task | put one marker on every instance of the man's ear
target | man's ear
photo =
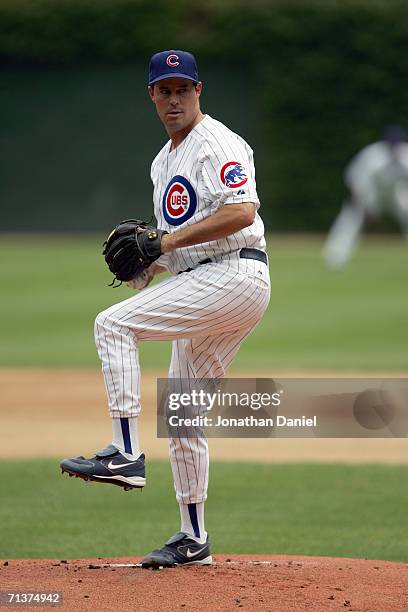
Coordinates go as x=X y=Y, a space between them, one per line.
x=150 y=89
x=199 y=88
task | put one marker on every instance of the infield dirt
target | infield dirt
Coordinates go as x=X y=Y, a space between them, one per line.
x=63 y=412
x=252 y=583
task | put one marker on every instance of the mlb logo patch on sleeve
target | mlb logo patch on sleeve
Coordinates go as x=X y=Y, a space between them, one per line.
x=233 y=174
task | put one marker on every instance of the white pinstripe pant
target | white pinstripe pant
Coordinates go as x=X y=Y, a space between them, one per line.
x=206 y=313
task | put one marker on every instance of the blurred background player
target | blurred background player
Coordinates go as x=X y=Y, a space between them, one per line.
x=377 y=178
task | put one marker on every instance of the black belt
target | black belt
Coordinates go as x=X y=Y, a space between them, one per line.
x=244 y=253
x=253 y=254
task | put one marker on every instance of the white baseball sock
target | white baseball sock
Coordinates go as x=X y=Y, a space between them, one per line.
x=125 y=436
x=192 y=521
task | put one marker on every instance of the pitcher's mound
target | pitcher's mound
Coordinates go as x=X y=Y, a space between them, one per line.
x=252 y=582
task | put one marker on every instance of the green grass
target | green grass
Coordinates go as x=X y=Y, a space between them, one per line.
x=353 y=511
x=52 y=288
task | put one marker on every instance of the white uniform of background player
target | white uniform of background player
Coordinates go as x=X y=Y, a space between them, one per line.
x=205 y=197
x=377 y=178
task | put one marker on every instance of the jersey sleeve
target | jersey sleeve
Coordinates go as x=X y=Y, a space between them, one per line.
x=228 y=176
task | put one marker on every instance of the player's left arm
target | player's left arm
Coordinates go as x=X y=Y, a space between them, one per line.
x=226 y=221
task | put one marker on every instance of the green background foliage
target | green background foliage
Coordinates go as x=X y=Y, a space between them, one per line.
x=322 y=78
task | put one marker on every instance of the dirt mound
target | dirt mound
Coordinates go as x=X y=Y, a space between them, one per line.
x=260 y=582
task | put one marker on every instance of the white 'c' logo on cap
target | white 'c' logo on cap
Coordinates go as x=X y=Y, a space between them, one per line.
x=172 y=60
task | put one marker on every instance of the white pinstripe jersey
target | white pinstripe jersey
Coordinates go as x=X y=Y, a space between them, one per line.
x=210 y=168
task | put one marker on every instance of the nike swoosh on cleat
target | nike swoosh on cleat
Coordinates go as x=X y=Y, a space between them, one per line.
x=193 y=554
x=116 y=466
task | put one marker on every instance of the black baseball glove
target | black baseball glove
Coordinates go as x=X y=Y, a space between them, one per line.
x=130 y=248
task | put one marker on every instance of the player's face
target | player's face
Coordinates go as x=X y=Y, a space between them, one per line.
x=177 y=102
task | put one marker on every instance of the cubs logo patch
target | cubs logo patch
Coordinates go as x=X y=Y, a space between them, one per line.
x=233 y=174
x=172 y=60
x=179 y=201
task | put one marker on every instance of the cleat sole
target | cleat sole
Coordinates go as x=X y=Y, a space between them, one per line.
x=120 y=483
x=155 y=565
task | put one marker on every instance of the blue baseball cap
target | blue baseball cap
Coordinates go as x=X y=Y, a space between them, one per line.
x=394 y=134
x=172 y=63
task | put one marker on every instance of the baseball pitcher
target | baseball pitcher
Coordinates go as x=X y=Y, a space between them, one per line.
x=210 y=238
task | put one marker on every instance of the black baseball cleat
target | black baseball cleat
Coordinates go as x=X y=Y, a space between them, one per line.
x=108 y=465
x=181 y=549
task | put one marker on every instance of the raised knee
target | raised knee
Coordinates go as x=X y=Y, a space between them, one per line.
x=101 y=322
x=109 y=321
